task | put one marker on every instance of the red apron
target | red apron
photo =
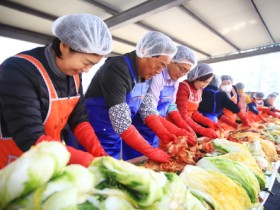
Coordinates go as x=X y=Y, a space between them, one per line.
x=56 y=119
x=195 y=97
x=229 y=113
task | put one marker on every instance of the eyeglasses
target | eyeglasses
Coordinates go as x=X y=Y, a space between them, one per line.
x=182 y=69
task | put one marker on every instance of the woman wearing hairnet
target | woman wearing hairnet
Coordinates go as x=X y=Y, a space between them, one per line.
x=119 y=90
x=163 y=92
x=40 y=89
x=244 y=99
x=265 y=111
x=229 y=116
x=214 y=101
x=269 y=102
x=246 y=104
x=190 y=95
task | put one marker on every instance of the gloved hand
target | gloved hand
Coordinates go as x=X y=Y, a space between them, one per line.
x=206 y=121
x=191 y=138
x=226 y=120
x=154 y=123
x=208 y=132
x=79 y=157
x=76 y=156
x=261 y=118
x=265 y=110
x=244 y=119
x=133 y=138
x=180 y=122
x=87 y=138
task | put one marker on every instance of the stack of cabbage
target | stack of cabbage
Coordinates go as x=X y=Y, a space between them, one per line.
x=40 y=179
x=230 y=180
x=31 y=171
x=120 y=185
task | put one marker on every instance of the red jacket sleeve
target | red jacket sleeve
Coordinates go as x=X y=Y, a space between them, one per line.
x=182 y=99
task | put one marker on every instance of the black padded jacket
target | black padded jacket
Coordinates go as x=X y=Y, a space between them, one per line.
x=24 y=99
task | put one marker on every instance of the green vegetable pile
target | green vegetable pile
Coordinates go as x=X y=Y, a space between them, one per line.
x=41 y=180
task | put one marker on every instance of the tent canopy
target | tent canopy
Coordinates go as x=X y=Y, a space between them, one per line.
x=216 y=30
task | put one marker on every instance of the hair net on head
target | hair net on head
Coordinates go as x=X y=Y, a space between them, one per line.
x=184 y=55
x=226 y=77
x=271 y=95
x=216 y=81
x=240 y=86
x=275 y=93
x=155 y=44
x=84 y=33
x=259 y=95
x=199 y=71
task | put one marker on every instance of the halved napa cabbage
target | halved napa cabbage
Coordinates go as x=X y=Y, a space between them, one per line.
x=258 y=153
x=66 y=191
x=176 y=196
x=249 y=161
x=142 y=185
x=33 y=169
x=225 y=146
x=221 y=192
x=107 y=202
x=273 y=130
x=268 y=148
x=238 y=172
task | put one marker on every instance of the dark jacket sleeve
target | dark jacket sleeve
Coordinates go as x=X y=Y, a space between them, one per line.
x=112 y=81
x=20 y=90
x=229 y=104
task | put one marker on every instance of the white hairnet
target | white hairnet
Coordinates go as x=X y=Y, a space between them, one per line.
x=240 y=86
x=184 y=55
x=259 y=95
x=216 y=81
x=275 y=93
x=84 y=33
x=226 y=77
x=199 y=71
x=155 y=43
x=271 y=95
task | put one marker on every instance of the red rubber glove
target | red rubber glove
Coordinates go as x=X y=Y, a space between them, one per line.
x=244 y=119
x=208 y=132
x=87 y=138
x=133 y=138
x=206 y=121
x=261 y=118
x=76 y=156
x=273 y=114
x=265 y=110
x=154 y=123
x=79 y=157
x=176 y=117
x=228 y=121
x=191 y=138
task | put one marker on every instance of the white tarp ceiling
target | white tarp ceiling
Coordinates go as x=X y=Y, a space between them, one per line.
x=215 y=29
